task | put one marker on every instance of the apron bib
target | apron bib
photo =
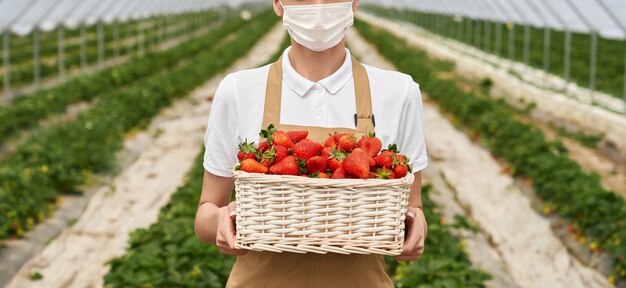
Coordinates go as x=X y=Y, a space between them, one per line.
x=312 y=270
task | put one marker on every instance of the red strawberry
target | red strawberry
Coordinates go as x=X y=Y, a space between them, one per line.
x=330 y=142
x=339 y=173
x=296 y=136
x=386 y=157
x=372 y=162
x=268 y=157
x=246 y=150
x=281 y=138
x=326 y=152
x=400 y=165
x=316 y=164
x=357 y=163
x=347 y=143
x=371 y=144
x=263 y=146
x=400 y=170
x=306 y=149
x=281 y=153
x=287 y=166
x=335 y=160
x=338 y=136
x=252 y=166
x=371 y=175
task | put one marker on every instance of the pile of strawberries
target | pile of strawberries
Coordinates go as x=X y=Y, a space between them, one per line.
x=341 y=156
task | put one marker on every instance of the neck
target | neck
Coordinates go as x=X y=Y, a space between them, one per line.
x=316 y=66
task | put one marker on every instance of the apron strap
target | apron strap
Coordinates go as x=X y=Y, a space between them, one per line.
x=364 y=118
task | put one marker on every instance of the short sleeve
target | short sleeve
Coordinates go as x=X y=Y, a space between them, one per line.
x=411 y=131
x=220 y=139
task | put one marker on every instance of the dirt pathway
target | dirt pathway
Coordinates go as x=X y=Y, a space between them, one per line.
x=133 y=199
x=521 y=240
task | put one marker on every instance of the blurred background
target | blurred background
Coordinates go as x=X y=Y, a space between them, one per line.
x=104 y=105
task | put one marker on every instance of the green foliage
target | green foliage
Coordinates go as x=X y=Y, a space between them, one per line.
x=577 y=195
x=168 y=253
x=22 y=61
x=444 y=263
x=610 y=53
x=60 y=158
x=27 y=110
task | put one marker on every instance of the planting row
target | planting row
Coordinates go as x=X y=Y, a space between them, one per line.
x=483 y=35
x=22 y=67
x=168 y=253
x=60 y=158
x=27 y=110
x=596 y=213
x=22 y=47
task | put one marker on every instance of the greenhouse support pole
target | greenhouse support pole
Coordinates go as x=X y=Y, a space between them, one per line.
x=567 y=56
x=61 y=46
x=477 y=34
x=546 y=50
x=594 y=56
x=127 y=38
x=116 y=39
x=487 y=35
x=546 y=37
x=83 y=53
x=139 y=38
x=37 y=60
x=512 y=43
x=498 y=38
x=6 y=55
x=470 y=32
x=621 y=25
x=459 y=32
x=594 y=39
x=526 y=44
x=100 y=45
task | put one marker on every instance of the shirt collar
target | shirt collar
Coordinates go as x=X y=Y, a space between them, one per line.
x=333 y=83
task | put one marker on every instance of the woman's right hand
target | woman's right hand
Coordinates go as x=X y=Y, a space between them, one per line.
x=225 y=240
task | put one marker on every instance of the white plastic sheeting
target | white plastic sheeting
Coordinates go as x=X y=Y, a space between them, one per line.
x=604 y=17
x=22 y=16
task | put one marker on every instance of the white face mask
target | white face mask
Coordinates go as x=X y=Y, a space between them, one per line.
x=318 y=27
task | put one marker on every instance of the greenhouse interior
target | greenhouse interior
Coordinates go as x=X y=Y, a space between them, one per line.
x=509 y=168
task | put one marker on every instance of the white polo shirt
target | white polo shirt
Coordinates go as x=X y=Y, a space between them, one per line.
x=238 y=106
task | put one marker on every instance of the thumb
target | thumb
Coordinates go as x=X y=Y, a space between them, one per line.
x=232 y=210
x=410 y=215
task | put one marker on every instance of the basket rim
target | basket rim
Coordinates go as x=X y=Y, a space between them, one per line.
x=237 y=174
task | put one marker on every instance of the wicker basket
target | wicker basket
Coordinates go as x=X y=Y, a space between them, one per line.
x=282 y=213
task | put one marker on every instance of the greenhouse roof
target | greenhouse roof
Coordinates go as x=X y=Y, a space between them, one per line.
x=22 y=16
x=605 y=17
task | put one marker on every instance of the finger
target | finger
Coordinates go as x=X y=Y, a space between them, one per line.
x=410 y=215
x=232 y=209
x=228 y=232
x=236 y=252
x=408 y=257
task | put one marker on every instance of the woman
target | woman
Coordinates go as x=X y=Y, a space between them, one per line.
x=316 y=85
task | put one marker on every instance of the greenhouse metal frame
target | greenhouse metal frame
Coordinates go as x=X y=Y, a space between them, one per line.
x=598 y=18
x=33 y=17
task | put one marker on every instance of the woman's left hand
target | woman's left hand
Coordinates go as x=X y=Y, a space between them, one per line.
x=416 y=231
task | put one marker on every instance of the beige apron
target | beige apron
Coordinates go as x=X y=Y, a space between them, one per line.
x=294 y=270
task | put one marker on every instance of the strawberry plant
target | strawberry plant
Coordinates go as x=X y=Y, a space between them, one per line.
x=576 y=195
x=60 y=158
x=27 y=110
